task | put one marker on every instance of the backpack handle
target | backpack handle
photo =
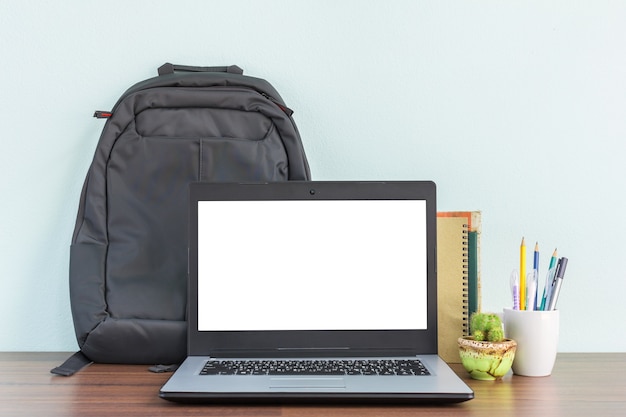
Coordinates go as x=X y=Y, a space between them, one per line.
x=168 y=68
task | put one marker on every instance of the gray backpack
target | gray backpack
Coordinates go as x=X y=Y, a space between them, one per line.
x=128 y=258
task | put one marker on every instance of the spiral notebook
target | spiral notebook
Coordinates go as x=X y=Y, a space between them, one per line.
x=458 y=279
x=452 y=285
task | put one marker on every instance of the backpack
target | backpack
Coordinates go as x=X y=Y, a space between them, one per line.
x=128 y=257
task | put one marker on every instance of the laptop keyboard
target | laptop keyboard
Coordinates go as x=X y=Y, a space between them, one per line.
x=315 y=367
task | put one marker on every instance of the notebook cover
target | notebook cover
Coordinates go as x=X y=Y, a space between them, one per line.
x=452 y=285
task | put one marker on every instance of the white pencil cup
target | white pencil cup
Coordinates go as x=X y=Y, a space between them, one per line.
x=537 y=337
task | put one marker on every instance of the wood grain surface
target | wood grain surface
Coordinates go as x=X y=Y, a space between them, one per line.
x=582 y=384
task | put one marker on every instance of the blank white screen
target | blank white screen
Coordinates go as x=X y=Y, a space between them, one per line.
x=312 y=265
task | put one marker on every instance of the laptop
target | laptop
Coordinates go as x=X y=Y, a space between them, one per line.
x=316 y=292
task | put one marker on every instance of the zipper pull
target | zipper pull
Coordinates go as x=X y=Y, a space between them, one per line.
x=284 y=108
x=99 y=114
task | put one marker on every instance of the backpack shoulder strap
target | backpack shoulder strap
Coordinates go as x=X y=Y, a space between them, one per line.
x=73 y=364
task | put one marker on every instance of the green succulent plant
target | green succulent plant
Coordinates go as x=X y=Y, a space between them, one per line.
x=486 y=327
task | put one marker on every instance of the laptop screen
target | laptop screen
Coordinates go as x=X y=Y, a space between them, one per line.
x=312 y=265
x=299 y=265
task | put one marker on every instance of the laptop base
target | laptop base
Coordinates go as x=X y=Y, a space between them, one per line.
x=316 y=389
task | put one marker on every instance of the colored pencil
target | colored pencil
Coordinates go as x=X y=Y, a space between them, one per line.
x=546 y=288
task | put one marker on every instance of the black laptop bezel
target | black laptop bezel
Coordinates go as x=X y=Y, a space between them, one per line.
x=317 y=343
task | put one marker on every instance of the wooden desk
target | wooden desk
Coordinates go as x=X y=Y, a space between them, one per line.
x=586 y=384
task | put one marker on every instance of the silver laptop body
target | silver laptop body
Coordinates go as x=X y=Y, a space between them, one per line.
x=313 y=292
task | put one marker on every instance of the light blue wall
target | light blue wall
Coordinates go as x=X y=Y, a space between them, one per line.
x=512 y=107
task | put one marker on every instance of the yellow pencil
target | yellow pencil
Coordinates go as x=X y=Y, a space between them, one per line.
x=522 y=276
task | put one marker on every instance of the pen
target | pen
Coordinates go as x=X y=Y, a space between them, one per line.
x=552 y=284
x=558 y=281
x=548 y=288
x=536 y=276
x=531 y=291
x=514 y=281
x=522 y=275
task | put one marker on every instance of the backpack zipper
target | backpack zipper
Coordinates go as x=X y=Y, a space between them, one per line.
x=284 y=108
x=99 y=114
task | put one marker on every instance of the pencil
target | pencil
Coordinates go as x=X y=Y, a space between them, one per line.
x=522 y=276
x=546 y=288
x=553 y=260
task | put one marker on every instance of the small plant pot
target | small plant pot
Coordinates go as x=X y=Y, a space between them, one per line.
x=486 y=360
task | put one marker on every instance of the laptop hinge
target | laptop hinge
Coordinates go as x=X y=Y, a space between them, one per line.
x=310 y=352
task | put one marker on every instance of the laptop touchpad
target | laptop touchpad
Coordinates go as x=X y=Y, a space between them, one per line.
x=307 y=383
